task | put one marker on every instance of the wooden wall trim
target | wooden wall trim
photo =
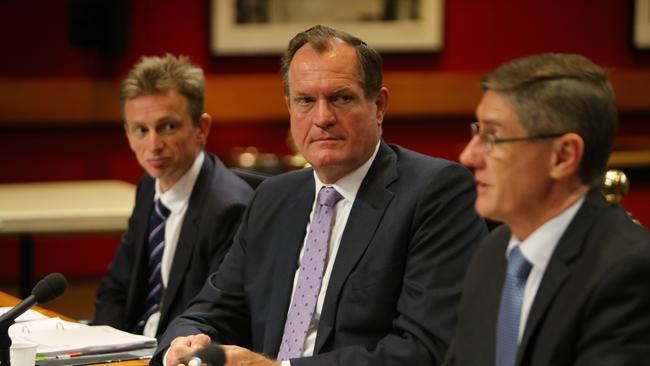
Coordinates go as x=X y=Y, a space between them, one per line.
x=58 y=100
x=242 y=98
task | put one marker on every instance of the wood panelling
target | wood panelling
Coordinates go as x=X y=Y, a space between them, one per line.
x=632 y=89
x=252 y=97
x=58 y=100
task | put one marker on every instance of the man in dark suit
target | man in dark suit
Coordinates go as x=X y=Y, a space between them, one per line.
x=566 y=280
x=396 y=236
x=160 y=266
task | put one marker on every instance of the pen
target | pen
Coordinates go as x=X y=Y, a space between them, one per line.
x=69 y=354
x=61 y=356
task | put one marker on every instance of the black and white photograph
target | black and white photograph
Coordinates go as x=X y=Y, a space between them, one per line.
x=257 y=27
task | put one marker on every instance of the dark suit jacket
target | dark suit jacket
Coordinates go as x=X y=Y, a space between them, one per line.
x=395 y=285
x=216 y=204
x=593 y=304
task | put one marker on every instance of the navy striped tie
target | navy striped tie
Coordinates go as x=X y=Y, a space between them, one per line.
x=156 y=247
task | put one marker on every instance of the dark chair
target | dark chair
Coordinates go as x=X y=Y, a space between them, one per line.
x=252 y=177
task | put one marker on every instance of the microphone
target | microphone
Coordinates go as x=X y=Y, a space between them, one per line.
x=50 y=287
x=211 y=355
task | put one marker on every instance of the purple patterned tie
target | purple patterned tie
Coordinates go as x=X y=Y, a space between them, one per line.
x=310 y=277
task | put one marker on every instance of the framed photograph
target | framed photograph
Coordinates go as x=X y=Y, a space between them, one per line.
x=641 y=28
x=264 y=27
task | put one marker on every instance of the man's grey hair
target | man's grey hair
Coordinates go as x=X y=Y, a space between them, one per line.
x=320 y=37
x=561 y=93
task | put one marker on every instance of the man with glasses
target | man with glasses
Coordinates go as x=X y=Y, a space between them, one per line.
x=566 y=280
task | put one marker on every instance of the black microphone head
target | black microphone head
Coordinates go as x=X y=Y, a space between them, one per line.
x=50 y=287
x=212 y=355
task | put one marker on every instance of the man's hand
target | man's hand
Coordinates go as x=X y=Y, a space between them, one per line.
x=236 y=356
x=182 y=348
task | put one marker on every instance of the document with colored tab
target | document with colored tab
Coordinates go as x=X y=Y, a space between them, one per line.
x=57 y=338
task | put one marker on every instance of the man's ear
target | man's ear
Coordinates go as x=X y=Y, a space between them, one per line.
x=568 y=150
x=127 y=132
x=205 y=124
x=381 y=102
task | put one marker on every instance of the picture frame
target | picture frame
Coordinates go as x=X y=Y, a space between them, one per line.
x=641 y=24
x=416 y=26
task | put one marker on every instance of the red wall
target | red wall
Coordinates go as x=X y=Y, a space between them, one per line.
x=479 y=35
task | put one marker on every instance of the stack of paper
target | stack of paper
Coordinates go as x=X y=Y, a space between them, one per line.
x=57 y=338
x=26 y=316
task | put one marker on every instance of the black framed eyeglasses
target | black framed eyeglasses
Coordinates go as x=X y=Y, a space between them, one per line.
x=490 y=140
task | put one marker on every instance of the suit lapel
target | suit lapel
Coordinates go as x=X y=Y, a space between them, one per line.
x=138 y=282
x=367 y=211
x=558 y=271
x=290 y=236
x=486 y=289
x=188 y=235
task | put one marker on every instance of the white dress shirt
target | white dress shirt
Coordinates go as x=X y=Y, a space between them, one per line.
x=176 y=200
x=348 y=187
x=537 y=249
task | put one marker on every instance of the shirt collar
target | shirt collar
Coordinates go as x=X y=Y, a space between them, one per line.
x=539 y=245
x=178 y=196
x=349 y=185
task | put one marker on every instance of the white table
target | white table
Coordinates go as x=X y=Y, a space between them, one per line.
x=27 y=209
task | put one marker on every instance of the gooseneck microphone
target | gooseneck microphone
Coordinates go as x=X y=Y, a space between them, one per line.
x=211 y=355
x=50 y=287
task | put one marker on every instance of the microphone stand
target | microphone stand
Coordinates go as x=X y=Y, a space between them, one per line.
x=46 y=289
x=5 y=342
x=7 y=319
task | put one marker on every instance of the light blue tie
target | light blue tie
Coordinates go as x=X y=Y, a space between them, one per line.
x=512 y=297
